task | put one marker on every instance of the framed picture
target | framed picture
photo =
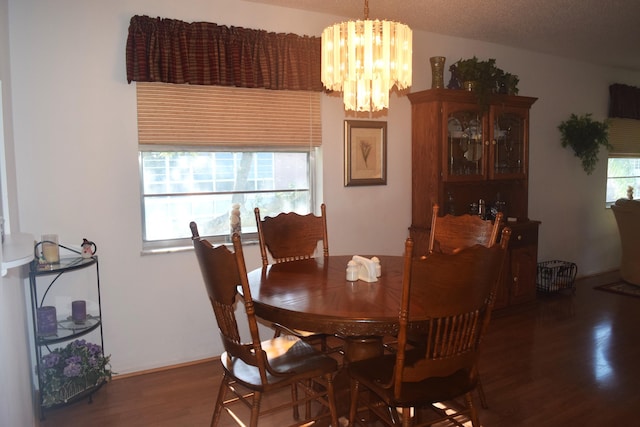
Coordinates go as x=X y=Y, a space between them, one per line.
x=365 y=152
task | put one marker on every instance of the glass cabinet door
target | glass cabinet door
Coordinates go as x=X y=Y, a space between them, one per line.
x=508 y=143
x=465 y=150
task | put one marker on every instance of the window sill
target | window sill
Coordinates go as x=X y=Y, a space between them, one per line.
x=184 y=248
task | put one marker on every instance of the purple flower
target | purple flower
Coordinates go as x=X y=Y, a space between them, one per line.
x=94 y=349
x=75 y=364
x=72 y=370
x=78 y=344
x=50 y=360
x=74 y=360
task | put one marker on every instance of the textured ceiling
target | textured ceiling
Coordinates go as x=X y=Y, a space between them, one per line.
x=605 y=32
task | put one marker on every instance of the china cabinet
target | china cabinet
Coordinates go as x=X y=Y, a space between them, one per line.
x=466 y=156
x=50 y=291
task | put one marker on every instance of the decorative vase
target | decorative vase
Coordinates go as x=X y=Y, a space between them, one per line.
x=437 y=71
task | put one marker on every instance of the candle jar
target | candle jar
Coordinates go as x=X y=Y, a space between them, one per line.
x=79 y=311
x=50 y=249
x=47 y=321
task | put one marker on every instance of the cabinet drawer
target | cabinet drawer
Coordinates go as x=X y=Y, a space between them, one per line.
x=523 y=234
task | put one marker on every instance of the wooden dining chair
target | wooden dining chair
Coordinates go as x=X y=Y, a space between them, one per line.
x=290 y=237
x=457 y=291
x=450 y=233
x=256 y=367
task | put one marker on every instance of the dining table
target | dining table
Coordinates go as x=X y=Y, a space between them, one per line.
x=315 y=295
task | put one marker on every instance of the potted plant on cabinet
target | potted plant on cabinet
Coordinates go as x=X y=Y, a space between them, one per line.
x=483 y=77
x=585 y=136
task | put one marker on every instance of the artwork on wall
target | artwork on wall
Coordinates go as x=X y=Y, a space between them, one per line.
x=365 y=152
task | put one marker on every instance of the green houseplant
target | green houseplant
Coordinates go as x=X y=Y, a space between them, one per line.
x=508 y=83
x=585 y=136
x=484 y=77
x=69 y=371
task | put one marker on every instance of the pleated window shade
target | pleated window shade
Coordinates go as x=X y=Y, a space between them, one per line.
x=624 y=136
x=172 y=114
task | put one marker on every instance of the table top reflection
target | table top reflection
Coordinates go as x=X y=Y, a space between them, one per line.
x=314 y=295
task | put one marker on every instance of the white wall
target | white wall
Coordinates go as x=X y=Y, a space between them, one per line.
x=77 y=171
x=16 y=407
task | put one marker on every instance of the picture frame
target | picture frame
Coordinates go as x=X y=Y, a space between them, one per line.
x=365 y=152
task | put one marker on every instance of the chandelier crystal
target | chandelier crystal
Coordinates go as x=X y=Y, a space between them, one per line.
x=364 y=59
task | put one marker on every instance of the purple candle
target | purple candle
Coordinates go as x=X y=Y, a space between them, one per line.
x=79 y=311
x=47 y=321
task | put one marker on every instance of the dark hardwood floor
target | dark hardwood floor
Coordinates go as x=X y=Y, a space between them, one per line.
x=565 y=360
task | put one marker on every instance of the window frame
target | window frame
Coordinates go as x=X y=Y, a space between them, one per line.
x=635 y=157
x=182 y=244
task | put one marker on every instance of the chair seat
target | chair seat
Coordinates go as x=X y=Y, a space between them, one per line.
x=255 y=365
x=295 y=332
x=287 y=355
x=309 y=337
x=377 y=373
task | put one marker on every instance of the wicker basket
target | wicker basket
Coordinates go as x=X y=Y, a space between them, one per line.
x=556 y=275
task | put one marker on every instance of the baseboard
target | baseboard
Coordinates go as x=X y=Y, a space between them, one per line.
x=164 y=368
x=599 y=278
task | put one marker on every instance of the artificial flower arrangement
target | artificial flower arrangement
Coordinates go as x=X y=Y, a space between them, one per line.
x=67 y=372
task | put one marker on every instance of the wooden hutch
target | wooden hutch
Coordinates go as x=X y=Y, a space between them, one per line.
x=463 y=152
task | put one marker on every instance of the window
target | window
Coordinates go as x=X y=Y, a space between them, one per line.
x=623 y=168
x=202 y=186
x=622 y=173
x=204 y=149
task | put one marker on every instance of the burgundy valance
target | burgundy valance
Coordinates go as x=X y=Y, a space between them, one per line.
x=624 y=101
x=203 y=53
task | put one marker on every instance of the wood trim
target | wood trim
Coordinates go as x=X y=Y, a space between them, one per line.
x=164 y=368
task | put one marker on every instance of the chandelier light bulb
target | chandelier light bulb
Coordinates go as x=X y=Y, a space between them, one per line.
x=372 y=56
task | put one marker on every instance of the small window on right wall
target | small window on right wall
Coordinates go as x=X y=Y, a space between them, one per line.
x=623 y=169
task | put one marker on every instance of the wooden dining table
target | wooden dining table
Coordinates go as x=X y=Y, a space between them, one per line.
x=314 y=295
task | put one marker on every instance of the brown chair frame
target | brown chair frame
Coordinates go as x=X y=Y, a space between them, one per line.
x=257 y=367
x=291 y=236
x=451 y=233
x=460 y=293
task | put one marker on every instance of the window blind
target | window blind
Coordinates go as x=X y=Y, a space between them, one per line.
x=172 y=114
x=624 y=136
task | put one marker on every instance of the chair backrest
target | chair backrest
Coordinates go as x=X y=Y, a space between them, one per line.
x=457 y=291
x=223 y=272
x=451 y=233
x=291 y=236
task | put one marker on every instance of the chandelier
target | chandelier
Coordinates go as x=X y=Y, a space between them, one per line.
x=365 y=59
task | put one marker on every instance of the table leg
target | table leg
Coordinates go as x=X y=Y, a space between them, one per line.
x=359 y=348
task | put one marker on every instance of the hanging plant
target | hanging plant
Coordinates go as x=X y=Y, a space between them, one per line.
x=585 y=136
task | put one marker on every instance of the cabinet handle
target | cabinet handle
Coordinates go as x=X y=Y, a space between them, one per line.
x=515 y=279
x=519 y=236
x=494 y=142
x=486 y=143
